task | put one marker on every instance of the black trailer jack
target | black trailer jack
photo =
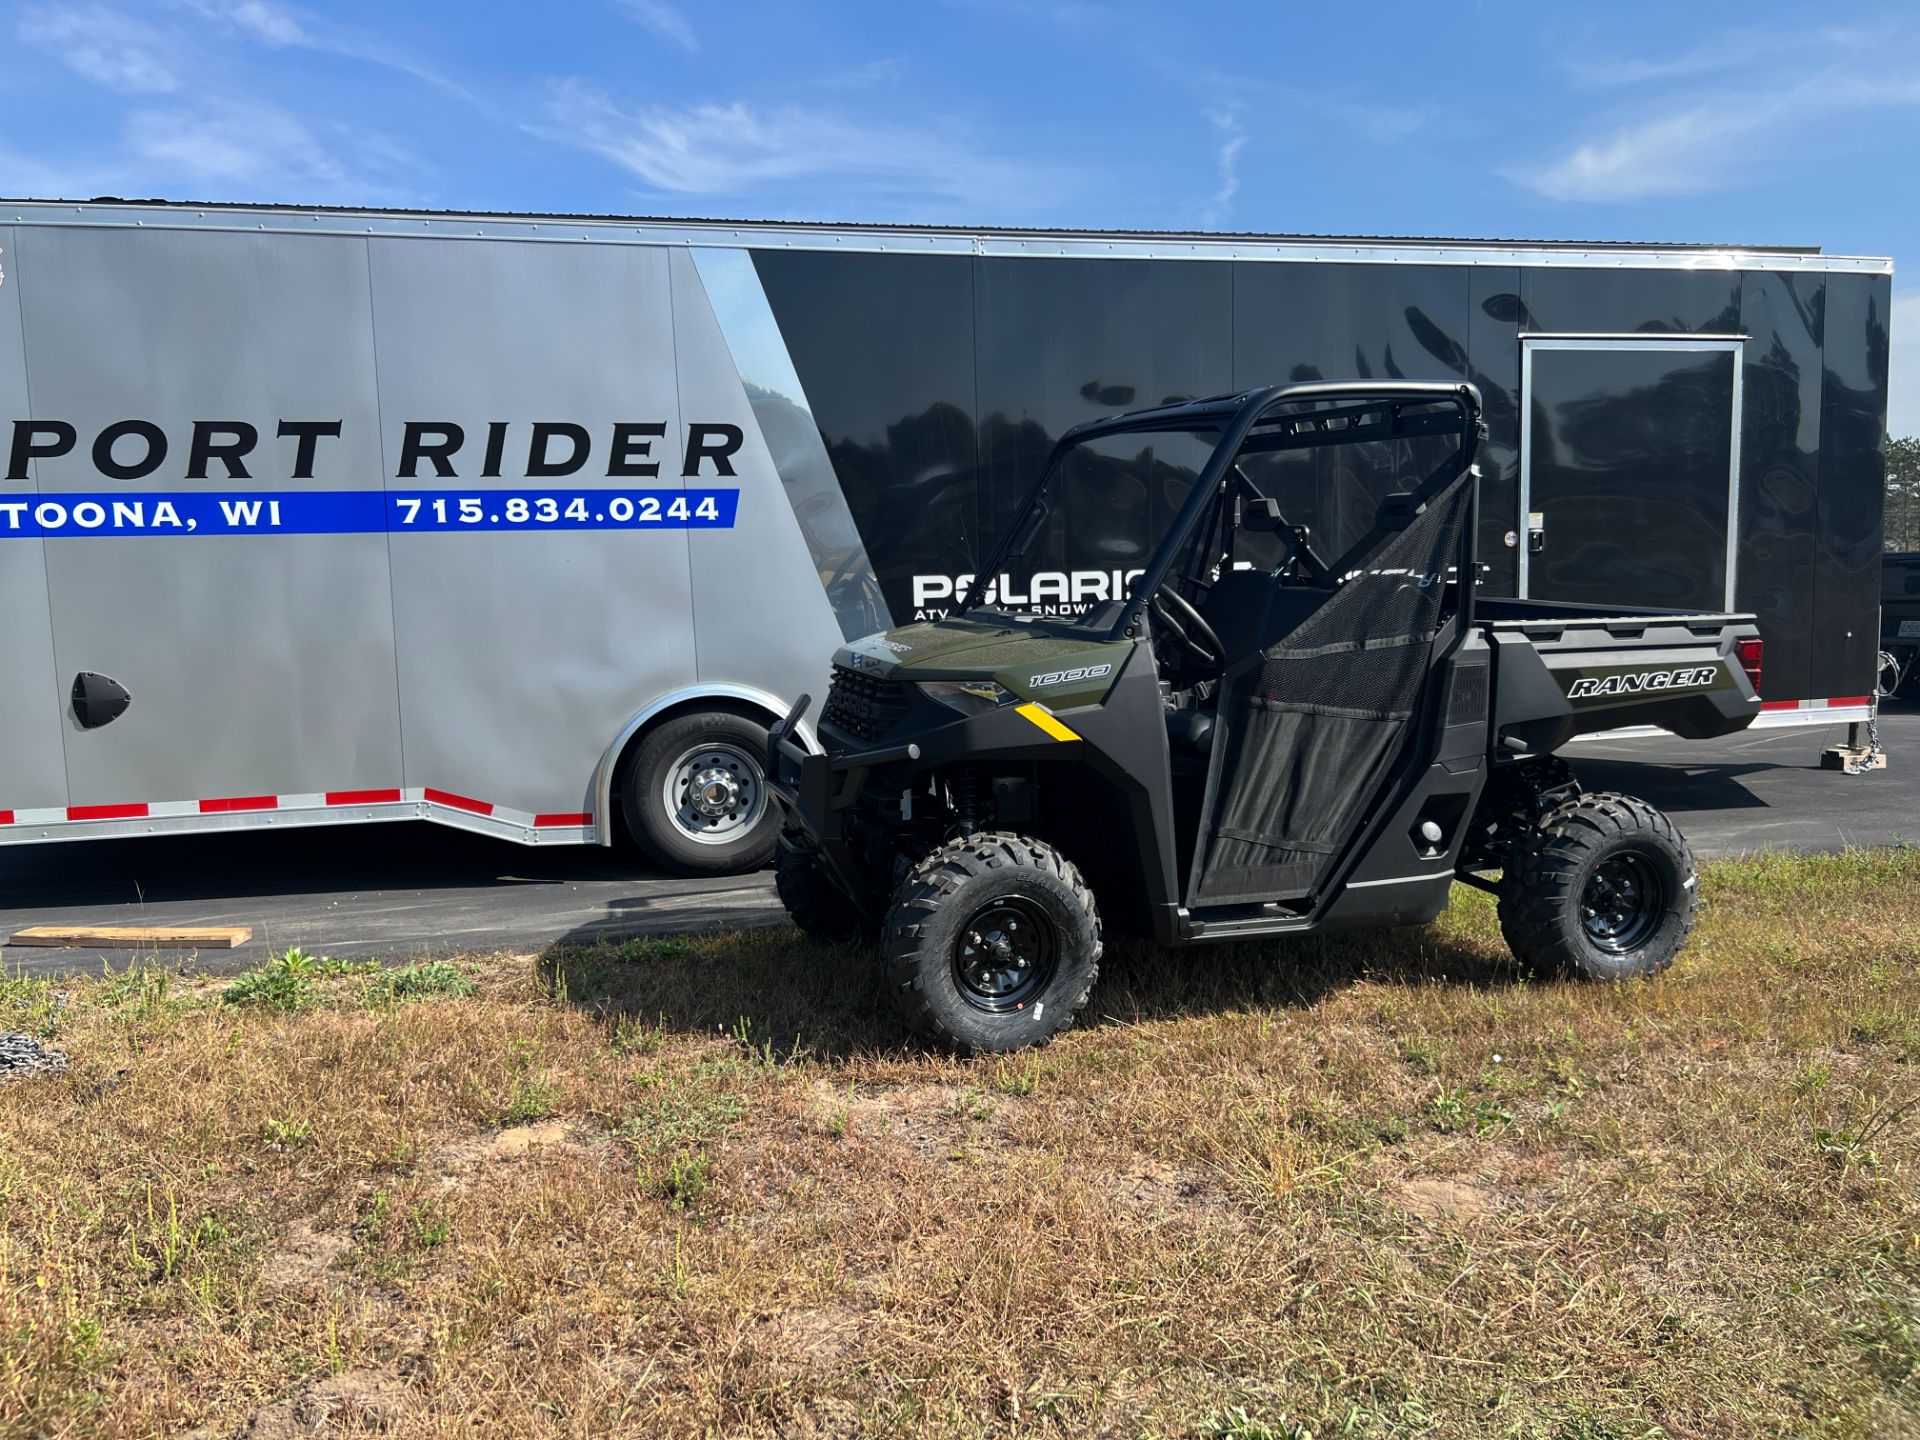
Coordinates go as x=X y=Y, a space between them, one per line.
x=1257 y=739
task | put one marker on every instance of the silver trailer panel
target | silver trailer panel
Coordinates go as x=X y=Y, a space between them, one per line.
x=260 y=663
x=30 y=710
x=522 y=652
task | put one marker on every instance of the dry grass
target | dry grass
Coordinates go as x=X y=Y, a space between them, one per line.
x=1370 y=1185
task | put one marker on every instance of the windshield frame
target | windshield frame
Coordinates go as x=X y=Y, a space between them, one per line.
x=1234 y=417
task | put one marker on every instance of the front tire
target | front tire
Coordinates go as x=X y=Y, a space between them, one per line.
x=818 y=906
x=1603 y=887
x=695 y=796
x=992 y=944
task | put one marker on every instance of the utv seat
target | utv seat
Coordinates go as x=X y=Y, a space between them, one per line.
x=1251 y=609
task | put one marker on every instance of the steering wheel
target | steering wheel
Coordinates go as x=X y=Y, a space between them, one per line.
x=1191 y=631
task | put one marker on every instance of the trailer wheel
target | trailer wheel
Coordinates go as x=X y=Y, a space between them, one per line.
x=695 y=796
x=992 y=944
x=814 y=903
x=1602 y=886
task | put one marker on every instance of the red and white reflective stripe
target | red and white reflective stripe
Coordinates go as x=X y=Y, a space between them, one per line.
x=1778 y=706
x=425 y=802
x=1774 y=715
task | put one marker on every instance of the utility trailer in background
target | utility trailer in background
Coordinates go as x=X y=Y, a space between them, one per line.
x=1900 y=617
x=533 y=525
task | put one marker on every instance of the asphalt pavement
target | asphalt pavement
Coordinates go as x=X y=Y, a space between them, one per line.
x=395 y=891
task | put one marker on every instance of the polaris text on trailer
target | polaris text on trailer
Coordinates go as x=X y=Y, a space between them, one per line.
x=1269 y=735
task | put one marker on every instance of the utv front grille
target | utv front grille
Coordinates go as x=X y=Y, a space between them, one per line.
x=864 y=705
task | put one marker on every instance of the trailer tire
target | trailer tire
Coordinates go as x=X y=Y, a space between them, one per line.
x=818 y=906
x=695 y=795
x=1602 y=886
x=961 y=970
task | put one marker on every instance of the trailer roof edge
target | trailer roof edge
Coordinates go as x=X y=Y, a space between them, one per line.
x=925 y=239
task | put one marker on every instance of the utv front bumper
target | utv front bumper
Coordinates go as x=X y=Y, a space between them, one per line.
x=817 y=792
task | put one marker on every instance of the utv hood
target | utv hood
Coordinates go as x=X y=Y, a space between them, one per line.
x=1033 y=664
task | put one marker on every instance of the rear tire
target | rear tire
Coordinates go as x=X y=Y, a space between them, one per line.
x=818 y=906
x=695 y=796
x=1603 y=887
x=992 y=944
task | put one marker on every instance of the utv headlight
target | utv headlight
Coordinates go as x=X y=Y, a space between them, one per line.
x=969 y=697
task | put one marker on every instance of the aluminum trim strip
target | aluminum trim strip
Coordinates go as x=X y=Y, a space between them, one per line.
x=1400 y=880
x=771 y=234
x=1804 y=717
x=1637 y=338
x=190 y=816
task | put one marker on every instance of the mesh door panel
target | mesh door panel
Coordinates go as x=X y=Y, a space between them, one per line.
x=1307 y=731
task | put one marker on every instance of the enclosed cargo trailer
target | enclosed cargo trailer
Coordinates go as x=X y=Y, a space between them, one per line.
x=519 y=523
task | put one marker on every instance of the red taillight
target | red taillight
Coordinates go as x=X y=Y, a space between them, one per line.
x=1750 y=653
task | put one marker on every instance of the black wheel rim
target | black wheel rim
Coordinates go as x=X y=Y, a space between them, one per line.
x=1006 y=955
x=1622 y=902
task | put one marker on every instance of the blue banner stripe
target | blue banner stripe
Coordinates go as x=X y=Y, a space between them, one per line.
x=362 y=512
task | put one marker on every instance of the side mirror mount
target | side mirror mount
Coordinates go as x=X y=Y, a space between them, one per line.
x=1029 y=527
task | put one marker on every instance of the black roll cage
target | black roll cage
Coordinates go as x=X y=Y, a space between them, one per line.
x=1379 y=411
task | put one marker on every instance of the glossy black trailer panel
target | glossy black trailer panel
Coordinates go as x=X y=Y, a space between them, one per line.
x=940 y=382
x=1853 y=474
x=1783 y=316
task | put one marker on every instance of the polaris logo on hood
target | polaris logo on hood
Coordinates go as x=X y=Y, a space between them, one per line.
x=1590 y=687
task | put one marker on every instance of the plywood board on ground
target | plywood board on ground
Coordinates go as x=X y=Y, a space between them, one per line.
x=134 y=937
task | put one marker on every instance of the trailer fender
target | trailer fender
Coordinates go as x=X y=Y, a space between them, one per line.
x=687 y=697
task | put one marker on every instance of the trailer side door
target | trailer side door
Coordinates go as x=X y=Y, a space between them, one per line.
x=229 y=574
x=1629 y=469
x=33 y=773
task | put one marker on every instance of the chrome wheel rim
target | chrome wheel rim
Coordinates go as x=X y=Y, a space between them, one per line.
x=714 y=793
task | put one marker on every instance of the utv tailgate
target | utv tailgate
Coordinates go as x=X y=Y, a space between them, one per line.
x=1561 y=675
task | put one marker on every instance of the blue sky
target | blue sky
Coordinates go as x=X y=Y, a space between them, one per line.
x=1755 y=122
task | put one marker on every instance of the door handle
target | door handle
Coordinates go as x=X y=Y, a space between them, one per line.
x=98 y=700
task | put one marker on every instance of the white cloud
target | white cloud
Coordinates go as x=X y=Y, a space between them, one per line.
x=108 y=48
x=760 y=155
x=1726 y=52
x=1709 y=145
x=1903 y=377
x=1766 y=110
x=1673 y=155
x=270 y=23
x=870 y=76
x=1233 y=139
x=31 y=178
x=664 y=21
x=282 y=27
x=247 y=151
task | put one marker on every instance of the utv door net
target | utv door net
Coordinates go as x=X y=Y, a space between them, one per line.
x=1308 y=723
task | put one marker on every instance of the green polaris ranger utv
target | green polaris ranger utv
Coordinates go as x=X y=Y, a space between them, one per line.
x=1266 y=732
